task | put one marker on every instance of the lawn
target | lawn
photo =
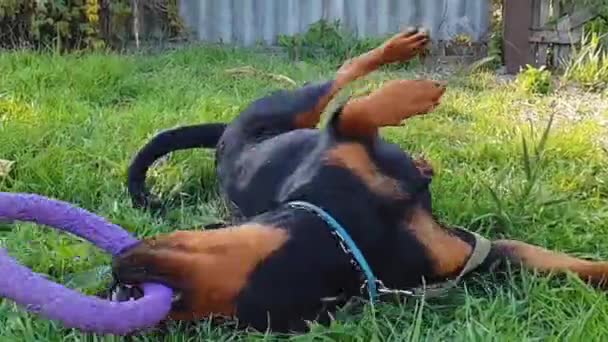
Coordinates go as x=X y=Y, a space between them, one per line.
x=71 y=124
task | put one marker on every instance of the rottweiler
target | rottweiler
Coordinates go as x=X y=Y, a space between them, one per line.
x=282 y=265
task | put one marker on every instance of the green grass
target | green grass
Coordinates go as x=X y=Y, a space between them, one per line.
x=72 y=124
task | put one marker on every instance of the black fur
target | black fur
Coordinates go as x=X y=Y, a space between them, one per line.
x=263 y=162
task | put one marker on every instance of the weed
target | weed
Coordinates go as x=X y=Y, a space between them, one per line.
x=528 y=193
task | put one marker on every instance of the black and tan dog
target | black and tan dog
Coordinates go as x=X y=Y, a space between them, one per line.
x=277 y=268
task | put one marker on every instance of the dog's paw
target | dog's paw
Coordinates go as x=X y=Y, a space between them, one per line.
x=404 y=46
x=401 y=99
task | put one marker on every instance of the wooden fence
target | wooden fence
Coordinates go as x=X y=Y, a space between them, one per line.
x=541 y=32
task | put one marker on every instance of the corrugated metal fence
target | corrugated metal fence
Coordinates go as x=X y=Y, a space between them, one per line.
x=247 y=22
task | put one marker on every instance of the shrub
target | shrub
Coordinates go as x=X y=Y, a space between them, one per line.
x=588 y=65
x=327 y=40
x=73 y=24
x=495 y=43
x=534 y=80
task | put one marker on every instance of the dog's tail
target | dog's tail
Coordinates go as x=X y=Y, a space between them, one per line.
x=181 y=138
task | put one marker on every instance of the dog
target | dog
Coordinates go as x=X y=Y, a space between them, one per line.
x=283 y=265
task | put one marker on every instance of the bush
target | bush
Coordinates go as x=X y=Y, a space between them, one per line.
x=534 y=80
x=327 y=40
x=73 y=24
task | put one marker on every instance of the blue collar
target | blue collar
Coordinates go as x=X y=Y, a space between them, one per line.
x=347 y=243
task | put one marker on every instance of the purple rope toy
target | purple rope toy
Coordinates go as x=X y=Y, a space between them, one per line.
x=54 y=301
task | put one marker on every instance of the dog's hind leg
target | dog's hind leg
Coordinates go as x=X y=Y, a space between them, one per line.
x=394 y=102
x=522 y=254
x=400 y=48
x=284 y=111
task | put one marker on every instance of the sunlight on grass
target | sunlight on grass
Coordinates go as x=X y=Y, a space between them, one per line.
x=72 y=124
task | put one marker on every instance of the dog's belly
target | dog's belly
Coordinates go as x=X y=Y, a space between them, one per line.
x=251 y=175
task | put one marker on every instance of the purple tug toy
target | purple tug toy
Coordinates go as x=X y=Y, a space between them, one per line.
x=57 y=302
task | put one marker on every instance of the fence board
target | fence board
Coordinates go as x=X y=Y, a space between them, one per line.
x=517 y=16
x=550 y=41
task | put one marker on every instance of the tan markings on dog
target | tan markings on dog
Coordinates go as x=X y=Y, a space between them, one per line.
x=448 y=253
x=544 y=260
x=209 y=267
x=354 y=157
x=400 y=48
x=394 y=102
